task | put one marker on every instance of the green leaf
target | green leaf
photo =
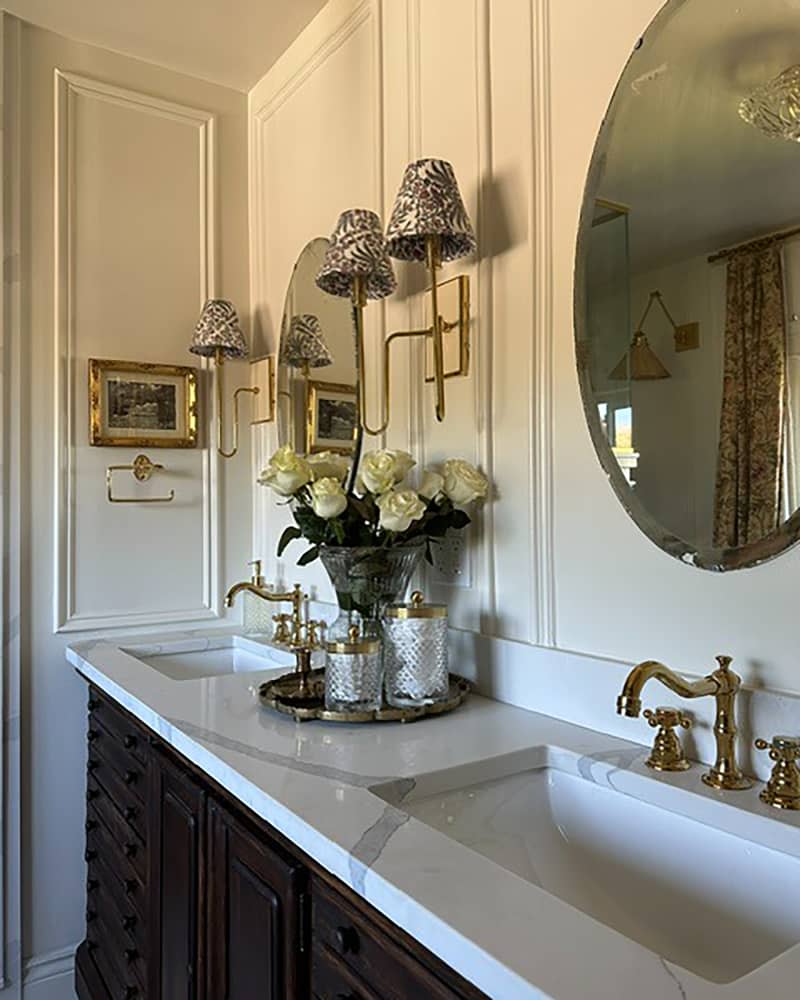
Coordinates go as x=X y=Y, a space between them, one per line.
x=289 y=535
x=459 y=519
x=308 y=556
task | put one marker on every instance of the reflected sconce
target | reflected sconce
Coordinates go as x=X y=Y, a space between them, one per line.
x=640 y=363
x=356 y=266
x=218 y=335
x=304 y=346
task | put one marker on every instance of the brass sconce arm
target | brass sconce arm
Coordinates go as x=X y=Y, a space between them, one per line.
x=436 y=330
x=220 y=361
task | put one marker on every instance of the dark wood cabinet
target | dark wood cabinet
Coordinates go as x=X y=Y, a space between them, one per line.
x=192 y=897
x=258 y=915
x=177 y=821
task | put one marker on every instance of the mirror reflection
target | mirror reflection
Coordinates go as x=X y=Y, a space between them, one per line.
x=688 y=283
x=317 y=375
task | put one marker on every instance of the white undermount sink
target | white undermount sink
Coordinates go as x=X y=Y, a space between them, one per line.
x=691 y=891
x=192 y=659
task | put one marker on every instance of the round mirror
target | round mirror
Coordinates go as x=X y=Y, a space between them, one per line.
x=687 y=292
x=317 y=375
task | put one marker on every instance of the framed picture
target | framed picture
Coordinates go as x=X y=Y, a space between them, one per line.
x=332 y=416
x=137 y=405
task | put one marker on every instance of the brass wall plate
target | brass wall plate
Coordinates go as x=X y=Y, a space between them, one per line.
x=454 y=306
x=262 y=377
x=687 y=337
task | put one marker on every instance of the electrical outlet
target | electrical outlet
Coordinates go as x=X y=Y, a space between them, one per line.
x=687 y=337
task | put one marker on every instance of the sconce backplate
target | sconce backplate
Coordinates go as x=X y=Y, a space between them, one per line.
x=454 y=306
x=262 y=377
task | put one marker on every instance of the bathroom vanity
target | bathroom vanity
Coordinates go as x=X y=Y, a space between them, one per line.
x=190 y=894
x=493 y=852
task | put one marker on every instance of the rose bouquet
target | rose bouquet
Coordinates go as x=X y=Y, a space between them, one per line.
x=382 y=511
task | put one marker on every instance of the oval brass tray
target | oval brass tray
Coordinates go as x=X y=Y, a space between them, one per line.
x=283 y=694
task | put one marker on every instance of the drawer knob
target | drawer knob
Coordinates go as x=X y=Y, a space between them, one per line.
x=94 y=704
x=90 y=945
x=346 y=996
x=92 y=735
x=131 y=954
x=131 y=812
x=89 y=854
x=347 y=940
x=131 y=992
x=92 y=765
x=90 y=824
x=129 y=922
x=91 y=794
x=91 y=884
x=130 y=742
x=90 y=915
x=131 y=777
x=130 y=885
x=130 y=850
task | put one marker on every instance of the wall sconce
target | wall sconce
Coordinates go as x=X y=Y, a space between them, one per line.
x=218 y=335
x=641 y=363
x=429 y=223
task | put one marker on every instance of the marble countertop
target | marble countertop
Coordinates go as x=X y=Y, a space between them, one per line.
x=312 y=782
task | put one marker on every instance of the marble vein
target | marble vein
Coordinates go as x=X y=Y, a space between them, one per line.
x=371 y=844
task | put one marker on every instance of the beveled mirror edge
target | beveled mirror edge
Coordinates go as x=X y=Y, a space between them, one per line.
x=715 y=560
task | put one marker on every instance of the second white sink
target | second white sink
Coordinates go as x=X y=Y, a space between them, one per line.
x=714 y=903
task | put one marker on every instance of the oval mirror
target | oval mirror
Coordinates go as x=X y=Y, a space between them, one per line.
x=317 y=375
x=687 y=292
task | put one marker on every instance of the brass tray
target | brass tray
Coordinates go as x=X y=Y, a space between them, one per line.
x=284 y=695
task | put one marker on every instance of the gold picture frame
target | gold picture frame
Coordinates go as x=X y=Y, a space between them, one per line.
x=133 y=404
x=331 y=417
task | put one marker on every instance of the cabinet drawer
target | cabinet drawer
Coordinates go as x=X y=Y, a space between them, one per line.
x=107 y=754
x=122 y=834
x=103 y=781
x=125 y=955
x=128 y=732
x=391 y=972
x=333 y=980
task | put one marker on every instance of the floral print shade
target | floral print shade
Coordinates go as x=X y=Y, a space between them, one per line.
x=747 y=503
x=218 y=329
x=429 y=204
x=304 y=344
x=357 y=248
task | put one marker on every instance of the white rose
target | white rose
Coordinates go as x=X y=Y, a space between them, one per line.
x=381 y=470
x=399 y=508
x=328 y=499
x=463 y=483
x=403 y=464
x=432 y=485
x=286 y=472
x=327 y=465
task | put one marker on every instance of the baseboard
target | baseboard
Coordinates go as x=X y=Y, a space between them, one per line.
x=50 y=976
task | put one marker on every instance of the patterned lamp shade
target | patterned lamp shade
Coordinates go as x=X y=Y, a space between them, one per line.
x=218 y=329
x=304 y=344
x=357 y=248
x=429 y=204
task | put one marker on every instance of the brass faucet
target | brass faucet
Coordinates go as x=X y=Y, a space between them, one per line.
x=722 y=684
x=257 y=586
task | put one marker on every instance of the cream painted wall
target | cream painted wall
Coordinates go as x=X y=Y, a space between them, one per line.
x=134 y=210
x=513 y=93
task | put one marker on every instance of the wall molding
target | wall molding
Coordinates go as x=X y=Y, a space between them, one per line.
x=542 y=427
x=278 y=86
x=11 y=505
x=69 y=87
x=52 y=964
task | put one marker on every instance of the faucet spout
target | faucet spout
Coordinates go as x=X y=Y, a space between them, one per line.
x=723 y=684
x=629 y=702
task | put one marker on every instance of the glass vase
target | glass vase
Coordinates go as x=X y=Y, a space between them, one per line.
x=366 y=579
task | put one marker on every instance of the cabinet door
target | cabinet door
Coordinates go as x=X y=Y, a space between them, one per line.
x=177 y=822
x=257 y=923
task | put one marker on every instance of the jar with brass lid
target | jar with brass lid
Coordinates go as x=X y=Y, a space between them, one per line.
x=415 y=653
x=353 y=673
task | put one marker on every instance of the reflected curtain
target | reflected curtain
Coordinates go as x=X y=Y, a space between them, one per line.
x=748 y=484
